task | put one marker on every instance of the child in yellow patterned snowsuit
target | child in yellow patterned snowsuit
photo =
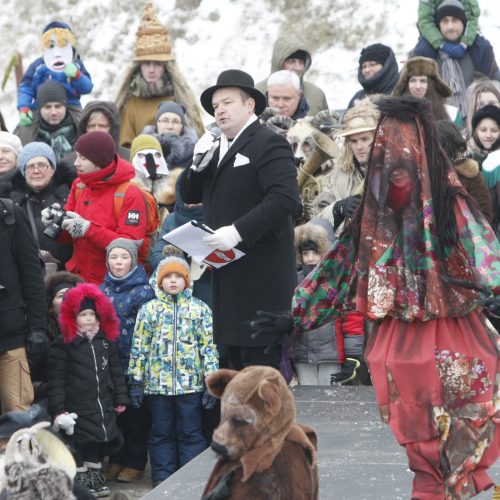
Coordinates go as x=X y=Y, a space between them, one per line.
x=172 y=353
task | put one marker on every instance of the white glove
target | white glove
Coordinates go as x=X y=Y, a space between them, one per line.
x=66 y=422
x=203 y=152
x=205 y=142
x=224 y=238
x=75 y=224
x=46 y=215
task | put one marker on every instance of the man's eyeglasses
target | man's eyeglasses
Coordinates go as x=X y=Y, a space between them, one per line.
x=42 y=167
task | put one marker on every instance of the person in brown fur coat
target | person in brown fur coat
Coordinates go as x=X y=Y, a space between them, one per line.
x=263 y=452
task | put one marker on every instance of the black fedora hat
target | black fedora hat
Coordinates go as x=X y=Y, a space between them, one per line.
x=234 y=78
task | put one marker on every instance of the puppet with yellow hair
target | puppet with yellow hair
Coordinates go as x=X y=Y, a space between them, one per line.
x=59 y=62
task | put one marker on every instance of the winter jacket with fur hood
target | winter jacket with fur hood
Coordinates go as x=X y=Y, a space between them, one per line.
x=85 y=376
x=283 y=47
x=127 y=295
x=172 y=349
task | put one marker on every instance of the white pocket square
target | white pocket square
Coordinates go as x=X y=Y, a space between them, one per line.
x=240 y=160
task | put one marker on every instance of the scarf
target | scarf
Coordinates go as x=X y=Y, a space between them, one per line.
x=225 y=144
x=453 y=76
x=59 y=137
x=90 y=332
x=141 y=88
x=384 y=81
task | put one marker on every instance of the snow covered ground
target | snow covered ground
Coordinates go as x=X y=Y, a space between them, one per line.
x=216 y=35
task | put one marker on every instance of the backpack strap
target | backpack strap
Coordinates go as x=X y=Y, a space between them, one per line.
x=79 y=190
x=118 y=199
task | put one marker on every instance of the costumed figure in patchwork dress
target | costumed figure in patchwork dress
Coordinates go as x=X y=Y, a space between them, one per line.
x=420 y=261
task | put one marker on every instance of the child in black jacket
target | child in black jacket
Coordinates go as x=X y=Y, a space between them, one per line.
x=85 y=378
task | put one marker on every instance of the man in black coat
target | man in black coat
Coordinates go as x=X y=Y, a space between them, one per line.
x=247 y=182
x=23 y=316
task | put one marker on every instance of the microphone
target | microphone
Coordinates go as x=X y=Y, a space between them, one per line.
x=215 y=132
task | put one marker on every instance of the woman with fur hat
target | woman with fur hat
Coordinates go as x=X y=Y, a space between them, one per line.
x=176 y=138
x=420 y=260
x=85 y=378
x=378 y=72
x=420 y=78
x=172 y=353
x=36 y=184
x=154 y=77
x=127 y=286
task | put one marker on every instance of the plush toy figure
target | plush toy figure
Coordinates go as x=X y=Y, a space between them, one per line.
x=263 y=452
x=59 y=62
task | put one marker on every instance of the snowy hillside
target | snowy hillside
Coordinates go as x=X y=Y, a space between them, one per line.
x=213 y=35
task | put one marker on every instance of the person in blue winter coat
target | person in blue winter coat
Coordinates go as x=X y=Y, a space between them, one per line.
x=127 y=287
x=59 y=62
x=172 y=354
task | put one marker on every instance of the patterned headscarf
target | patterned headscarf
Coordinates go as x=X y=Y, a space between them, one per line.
x=406 y=257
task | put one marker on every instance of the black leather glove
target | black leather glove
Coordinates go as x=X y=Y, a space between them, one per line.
x=277 y=327
x=37 y=348
x=493 y=306
x=208 y=401
x=345 y=209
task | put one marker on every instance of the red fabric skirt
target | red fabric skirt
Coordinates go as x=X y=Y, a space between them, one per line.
x=437 y=386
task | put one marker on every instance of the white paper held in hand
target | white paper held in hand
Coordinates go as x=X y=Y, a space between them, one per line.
x=189 y=238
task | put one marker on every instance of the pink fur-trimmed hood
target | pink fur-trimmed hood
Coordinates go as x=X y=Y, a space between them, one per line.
x=70 y=307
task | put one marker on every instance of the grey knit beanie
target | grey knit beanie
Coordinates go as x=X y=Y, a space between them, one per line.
x=33 y=149
x=171 y=107
x=51 y=91
x=131 y=246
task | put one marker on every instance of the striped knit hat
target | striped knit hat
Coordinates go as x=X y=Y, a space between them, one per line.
x=174 y=262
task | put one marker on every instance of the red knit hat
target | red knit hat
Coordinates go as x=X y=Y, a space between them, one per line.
x=98 y=147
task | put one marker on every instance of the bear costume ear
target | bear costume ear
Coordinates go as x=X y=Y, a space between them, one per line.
x=216 y=382
x=270 y=393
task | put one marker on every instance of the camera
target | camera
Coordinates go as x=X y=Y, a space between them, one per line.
x=57 y=215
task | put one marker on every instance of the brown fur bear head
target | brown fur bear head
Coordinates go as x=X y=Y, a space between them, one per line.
x=257 y=410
